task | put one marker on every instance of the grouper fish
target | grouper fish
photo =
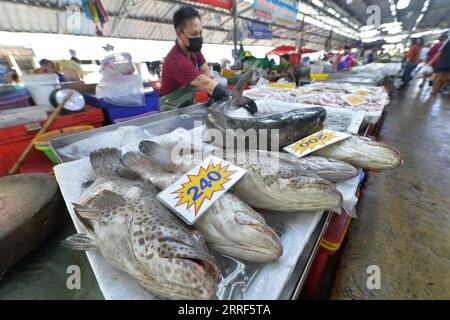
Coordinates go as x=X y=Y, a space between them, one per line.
x=137 y=234
x=230 y=226
x=329 y=169
x=266 y=185
x=292 y=125
x=364 y=153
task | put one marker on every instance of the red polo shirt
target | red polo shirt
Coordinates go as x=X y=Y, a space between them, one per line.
x=179 y=70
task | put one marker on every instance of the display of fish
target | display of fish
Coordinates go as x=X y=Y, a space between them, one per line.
x=291 y=125
x=268 y=184
x=329 y=169
x=139 y=235
x=363 y=153
x=230 y=226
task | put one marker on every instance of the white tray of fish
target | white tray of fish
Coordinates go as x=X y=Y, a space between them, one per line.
x=329 y=95
x=238 y=280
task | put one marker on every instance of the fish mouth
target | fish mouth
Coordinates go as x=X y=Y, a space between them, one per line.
x=202 y=266
x=266 y=231
x=273 y=238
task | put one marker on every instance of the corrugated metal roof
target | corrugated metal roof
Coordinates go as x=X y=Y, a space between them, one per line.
x=143 y=19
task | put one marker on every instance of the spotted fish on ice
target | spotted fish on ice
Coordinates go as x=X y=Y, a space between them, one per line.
x=230 y=226
x=266 y=185
x=137 y=234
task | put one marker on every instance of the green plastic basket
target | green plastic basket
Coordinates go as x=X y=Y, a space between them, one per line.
x=49 y=153
x=41 y=142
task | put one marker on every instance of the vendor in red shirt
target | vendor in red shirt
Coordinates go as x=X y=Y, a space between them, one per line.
x=185 y=70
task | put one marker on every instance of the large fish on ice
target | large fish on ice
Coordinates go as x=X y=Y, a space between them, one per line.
x=267 y=184
x=139 y=235
x=363 y=152
x=230 y=226
x=291 y=125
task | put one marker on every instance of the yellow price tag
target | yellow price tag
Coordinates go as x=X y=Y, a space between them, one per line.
x=362 y=93
x=191 y=195
x=353 y=100
x=282 y=85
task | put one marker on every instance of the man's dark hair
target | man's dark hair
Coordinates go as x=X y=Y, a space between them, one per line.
x=184 y=14
x=45 y=61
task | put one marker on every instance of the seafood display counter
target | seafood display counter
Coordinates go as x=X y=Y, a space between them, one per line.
x=294 y=272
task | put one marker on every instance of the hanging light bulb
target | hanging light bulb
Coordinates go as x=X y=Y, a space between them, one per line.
x=402 y=4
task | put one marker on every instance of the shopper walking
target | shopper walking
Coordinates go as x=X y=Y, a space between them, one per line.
x=441 y=68
x=412 y=58
x=430 y=56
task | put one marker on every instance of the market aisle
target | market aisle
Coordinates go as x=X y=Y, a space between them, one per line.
x=403 y=223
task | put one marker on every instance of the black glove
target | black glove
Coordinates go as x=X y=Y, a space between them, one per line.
x=248 y=104
x=219 y=93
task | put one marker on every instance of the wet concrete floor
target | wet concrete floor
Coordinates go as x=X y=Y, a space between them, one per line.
x=403 y=224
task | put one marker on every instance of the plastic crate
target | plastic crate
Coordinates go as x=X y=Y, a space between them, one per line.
x=15 y=139
x=330 y=243
x=15 y=100
x=37 y=165
x=113 y=112
x=201 y=97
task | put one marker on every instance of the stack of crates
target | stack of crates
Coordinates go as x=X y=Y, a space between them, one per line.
x=14 y=140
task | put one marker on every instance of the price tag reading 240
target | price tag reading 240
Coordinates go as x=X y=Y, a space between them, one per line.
x=197 y=190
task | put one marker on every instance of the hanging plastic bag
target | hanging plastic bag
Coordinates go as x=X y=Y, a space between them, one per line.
x=119 y=84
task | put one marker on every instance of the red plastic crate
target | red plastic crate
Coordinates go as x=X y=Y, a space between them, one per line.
x=330 y=244
x=201 y=96
x=15 y=139
x=41 y=164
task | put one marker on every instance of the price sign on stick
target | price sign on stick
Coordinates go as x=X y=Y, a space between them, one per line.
x=191 y=195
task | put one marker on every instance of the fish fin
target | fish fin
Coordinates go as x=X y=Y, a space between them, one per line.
x=79 y=241
x=149 y=148
x=101 y=203
x=106 y=161
x=158 y=155
x=238 y=89
x=135 y=161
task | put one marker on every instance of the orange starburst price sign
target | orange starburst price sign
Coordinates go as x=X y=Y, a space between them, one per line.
x=315 y=142
x=197 y=190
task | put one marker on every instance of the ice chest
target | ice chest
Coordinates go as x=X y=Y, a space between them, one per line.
x=114 y=112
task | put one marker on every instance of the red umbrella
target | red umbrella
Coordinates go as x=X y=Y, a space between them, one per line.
x=279 y=51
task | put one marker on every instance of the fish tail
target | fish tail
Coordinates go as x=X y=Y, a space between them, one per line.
x=106 y=162
x=238 y=89
x=79 y=241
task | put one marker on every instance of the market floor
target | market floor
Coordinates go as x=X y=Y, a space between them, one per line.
x=403 y=224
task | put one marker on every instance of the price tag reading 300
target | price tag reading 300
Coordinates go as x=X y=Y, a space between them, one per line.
x=315 y=142
x=197 y=190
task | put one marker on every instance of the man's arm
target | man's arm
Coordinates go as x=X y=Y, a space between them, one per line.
x=204 y=83
x=206 y=70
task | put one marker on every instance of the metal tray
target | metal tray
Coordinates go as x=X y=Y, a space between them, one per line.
x=166 y=122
